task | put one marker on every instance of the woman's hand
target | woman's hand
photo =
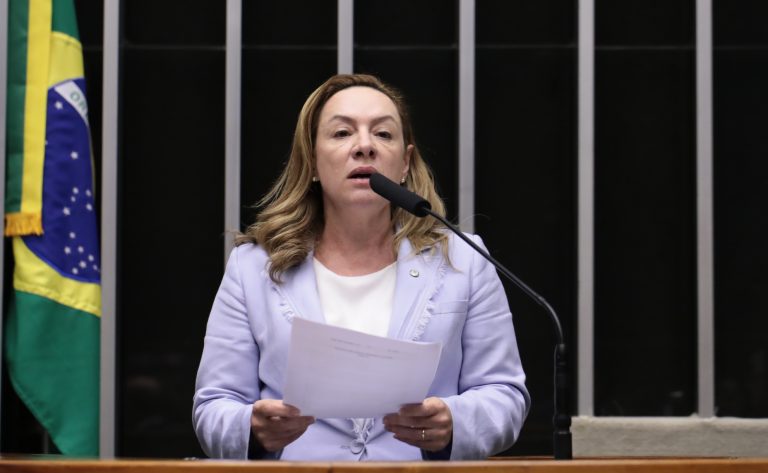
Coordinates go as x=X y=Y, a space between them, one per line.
x=428 y=425
x=275 y=424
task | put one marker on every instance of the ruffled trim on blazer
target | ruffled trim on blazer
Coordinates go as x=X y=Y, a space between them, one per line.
x=286 y=309
x=426 y=316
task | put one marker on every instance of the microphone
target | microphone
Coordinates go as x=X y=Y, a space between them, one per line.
x=399 y=196
x=420 y=207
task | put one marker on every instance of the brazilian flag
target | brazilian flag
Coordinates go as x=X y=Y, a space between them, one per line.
x=52 y=325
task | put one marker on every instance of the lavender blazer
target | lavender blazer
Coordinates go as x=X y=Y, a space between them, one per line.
x=461 y=304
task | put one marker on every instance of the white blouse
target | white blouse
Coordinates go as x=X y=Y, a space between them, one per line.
x=362 y=303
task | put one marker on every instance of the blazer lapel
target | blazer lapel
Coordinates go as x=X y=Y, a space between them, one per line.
x=301 y=291
x=414 y=276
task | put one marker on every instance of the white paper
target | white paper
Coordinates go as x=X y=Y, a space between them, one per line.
x=336 y=372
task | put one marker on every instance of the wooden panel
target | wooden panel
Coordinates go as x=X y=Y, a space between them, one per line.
x=157 y=466
x=655 y=465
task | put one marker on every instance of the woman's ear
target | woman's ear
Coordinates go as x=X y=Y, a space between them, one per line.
x=407 y=158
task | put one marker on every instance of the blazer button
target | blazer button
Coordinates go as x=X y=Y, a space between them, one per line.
x=414 y=273
x=356 y=446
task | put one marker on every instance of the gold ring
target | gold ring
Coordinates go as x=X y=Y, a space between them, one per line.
x=423 y=437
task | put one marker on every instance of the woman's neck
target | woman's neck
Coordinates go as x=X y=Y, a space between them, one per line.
x=357 y=244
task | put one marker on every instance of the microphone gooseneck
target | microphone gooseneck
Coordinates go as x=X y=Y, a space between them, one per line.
x=420 y=207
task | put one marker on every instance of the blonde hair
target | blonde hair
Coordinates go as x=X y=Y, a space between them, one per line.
x=291 y=218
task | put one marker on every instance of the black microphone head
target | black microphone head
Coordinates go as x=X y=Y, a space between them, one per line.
x=399 y=196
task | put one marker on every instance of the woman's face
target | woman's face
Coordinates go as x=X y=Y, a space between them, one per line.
x=359 y=133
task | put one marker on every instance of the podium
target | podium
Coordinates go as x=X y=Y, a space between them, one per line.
x=48 y=464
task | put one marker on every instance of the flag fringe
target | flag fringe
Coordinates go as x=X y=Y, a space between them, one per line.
x=23 y=223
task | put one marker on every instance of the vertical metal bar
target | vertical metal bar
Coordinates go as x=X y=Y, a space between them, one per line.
x=586 y=193
x=232 y=100
x=109 y=192
x=467 y=115
x=704 y=210
x=3 y=90
x=346 y=38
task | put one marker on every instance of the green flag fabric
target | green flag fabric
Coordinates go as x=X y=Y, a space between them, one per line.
x=53 y=322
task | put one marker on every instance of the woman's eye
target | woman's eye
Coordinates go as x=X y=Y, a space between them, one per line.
x=340 y=133
x=384 y=134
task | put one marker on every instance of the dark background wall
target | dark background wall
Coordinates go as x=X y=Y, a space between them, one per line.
x=645 y=208
x=741 y=194
x=525 y=154
x=172 y=183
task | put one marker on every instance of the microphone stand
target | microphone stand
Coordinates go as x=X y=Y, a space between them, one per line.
x=561 y=419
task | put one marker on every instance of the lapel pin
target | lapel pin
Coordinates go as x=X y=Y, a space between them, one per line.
x=414 y=273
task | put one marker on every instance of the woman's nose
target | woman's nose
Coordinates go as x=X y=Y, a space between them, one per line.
x=364 y=147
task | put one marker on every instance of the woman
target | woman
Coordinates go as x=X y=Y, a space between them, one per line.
x=325 y=247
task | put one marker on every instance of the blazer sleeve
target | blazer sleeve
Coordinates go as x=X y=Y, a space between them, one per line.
x=227 y=379
x=493 y=401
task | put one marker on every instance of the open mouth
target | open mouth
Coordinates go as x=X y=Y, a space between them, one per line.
x=360 y=175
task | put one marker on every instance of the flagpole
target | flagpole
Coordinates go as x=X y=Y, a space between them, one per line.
x=3 y=90
x=109 y=184
x=232 y=99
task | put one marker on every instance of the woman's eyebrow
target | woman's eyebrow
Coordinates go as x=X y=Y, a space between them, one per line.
x=348 y=119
